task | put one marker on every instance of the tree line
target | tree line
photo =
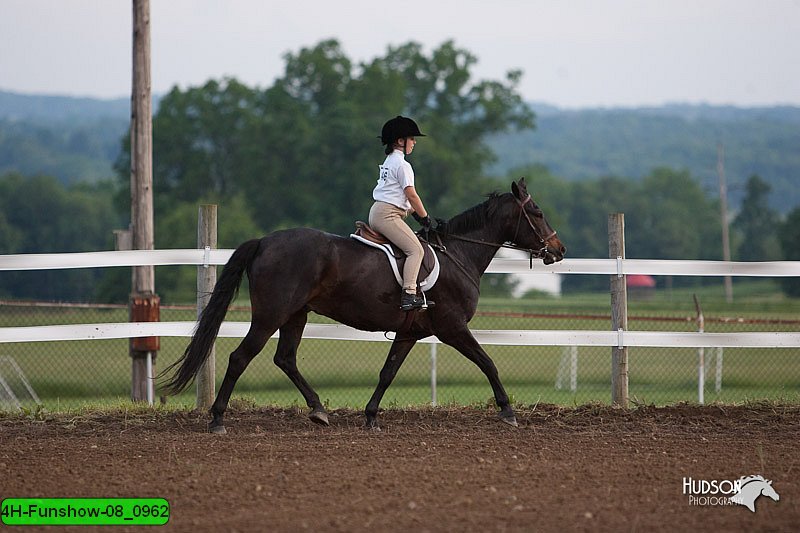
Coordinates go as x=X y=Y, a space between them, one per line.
x=304 y=152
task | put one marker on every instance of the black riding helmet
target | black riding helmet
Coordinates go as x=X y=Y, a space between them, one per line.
x=399 y=128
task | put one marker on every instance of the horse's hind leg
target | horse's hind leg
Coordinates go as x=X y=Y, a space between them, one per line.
x=286 y=360
x=250 y=346
x=397 y=354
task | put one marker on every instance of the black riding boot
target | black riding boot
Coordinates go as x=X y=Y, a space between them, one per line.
x=409 y=302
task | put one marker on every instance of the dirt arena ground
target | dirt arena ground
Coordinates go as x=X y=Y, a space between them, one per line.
x=591 y=468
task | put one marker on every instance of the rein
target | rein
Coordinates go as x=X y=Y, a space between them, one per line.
x=443 y=249
x=532 y=253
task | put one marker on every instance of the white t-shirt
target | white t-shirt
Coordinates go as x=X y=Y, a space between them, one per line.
x=395 y=175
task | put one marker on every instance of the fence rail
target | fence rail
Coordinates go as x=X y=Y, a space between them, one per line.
x=210 y=257
x=500 y=337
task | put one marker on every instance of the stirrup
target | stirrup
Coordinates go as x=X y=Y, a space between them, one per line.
x=427 y=303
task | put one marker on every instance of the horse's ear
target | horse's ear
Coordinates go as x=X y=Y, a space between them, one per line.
x=519 y=188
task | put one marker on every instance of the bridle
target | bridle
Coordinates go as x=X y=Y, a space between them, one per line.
x=542 y=240
x=522 y=213
x=439 y=245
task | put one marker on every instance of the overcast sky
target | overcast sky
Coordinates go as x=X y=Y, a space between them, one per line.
x=576 y=53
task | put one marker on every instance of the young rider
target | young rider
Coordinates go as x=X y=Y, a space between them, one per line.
x=395 y=198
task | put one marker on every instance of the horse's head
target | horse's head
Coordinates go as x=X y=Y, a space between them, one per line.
x=532 y=231
x=767 y=490
x=750 y=488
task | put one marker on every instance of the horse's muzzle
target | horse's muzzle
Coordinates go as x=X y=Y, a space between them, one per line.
x=554 y=254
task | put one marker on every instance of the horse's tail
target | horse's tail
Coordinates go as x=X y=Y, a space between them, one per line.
x=211 y=319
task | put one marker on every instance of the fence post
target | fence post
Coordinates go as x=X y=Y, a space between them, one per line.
x=701 y=355
x=206 y=279
x=619 y=310
x=433 y=374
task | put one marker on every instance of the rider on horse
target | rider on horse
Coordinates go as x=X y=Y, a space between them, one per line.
x=395 y=198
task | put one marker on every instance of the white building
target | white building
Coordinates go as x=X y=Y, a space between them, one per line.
x=541 y=281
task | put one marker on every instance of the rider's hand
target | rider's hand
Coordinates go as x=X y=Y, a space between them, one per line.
x=425 y=221
x=426 y=224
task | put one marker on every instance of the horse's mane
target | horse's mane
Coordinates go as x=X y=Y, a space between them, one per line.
x=475 y=217
x=745 y=480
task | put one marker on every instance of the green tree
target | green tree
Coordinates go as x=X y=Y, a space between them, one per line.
x=757 y=223
x=671 y=217
x=458 y=115
x=305 y=151
x=586 y=206
x=200 y=134
x=313 y=145
x=667 y=216
x=40 y=214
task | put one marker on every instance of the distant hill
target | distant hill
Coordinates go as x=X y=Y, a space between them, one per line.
x=78 y=139
x=48 y=109
x=72 y=152
x=73 y=139
x=591 y=143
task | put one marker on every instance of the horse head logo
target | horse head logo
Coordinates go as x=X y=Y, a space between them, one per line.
x=751 y=487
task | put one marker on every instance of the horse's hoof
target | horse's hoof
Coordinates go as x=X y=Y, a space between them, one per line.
x=372 y=425
x=218 y=430
x=319 y=417
x=510 y=420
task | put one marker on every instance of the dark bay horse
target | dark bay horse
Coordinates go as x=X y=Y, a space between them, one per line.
x=292 y=272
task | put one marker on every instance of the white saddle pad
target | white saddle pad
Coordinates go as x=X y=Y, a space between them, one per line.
x=426 y=284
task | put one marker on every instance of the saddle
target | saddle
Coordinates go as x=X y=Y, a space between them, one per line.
x=429 y=270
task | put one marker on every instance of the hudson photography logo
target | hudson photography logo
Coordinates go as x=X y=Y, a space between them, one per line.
x=743 y=491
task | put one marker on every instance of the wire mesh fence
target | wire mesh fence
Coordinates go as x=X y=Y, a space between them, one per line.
x=72 y=373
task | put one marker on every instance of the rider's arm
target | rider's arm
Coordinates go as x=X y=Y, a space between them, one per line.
x=415 y=201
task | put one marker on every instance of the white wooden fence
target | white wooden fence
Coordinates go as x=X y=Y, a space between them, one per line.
x=619 y=267
x=340 y=332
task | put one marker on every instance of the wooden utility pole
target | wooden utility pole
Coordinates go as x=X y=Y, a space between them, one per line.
x=619 y=311
x=144 y=303
x=723 y=208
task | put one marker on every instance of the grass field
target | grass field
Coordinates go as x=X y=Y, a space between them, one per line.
x=344 y=373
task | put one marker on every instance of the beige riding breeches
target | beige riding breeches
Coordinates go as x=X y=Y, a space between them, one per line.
x=388 y=220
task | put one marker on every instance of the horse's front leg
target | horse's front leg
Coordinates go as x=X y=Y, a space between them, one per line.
x=397 y=354
x=463 y=341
